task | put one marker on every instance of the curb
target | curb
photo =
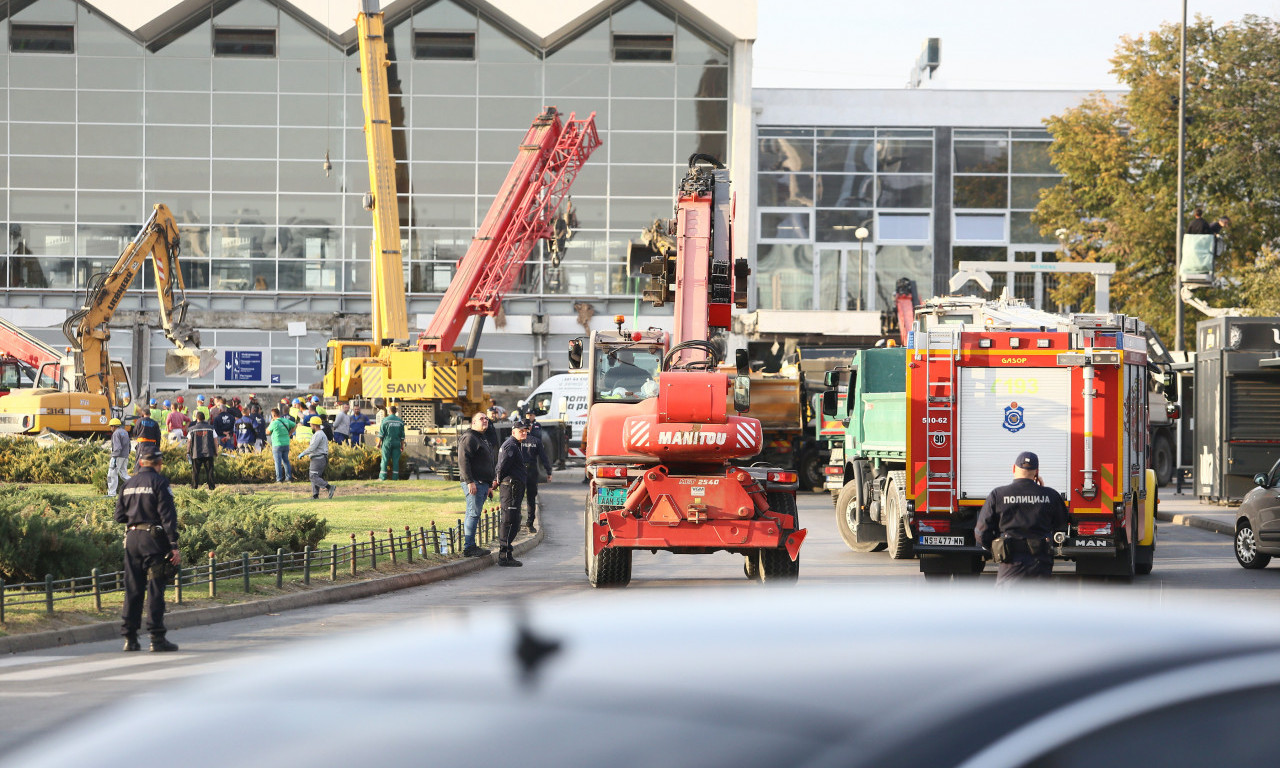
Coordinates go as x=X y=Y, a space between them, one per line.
x=182 y=619
x=1195 y=521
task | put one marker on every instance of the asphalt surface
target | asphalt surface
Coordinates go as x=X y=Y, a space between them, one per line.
x=44 y=691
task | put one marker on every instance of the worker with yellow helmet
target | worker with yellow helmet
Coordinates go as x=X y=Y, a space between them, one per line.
x=118 y=466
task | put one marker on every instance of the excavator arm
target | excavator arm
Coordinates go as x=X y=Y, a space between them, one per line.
x=89 y=328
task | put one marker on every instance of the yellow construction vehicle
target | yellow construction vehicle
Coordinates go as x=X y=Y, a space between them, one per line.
x=91 y=388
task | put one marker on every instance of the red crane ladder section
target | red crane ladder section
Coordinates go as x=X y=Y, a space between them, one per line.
x=549 y=160
x=942 y=348
x=18 y=343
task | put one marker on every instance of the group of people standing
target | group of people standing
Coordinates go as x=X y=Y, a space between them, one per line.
x=514 y=468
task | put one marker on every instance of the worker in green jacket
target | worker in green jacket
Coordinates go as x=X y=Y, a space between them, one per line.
x=391 y=439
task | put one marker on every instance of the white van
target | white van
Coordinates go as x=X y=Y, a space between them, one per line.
x=567 y=391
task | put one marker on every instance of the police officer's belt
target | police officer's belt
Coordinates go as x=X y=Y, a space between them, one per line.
x=1004 y=548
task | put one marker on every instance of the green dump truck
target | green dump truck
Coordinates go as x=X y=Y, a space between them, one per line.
x=867 y=470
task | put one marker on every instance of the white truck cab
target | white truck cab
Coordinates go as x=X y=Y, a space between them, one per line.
x=563 y=397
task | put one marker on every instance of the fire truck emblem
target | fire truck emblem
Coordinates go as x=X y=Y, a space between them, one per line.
x=1013 y=417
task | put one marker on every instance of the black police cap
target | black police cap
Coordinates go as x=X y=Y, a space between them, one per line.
x=1027 y=460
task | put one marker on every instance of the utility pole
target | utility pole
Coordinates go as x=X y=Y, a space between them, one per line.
x=1178 y=340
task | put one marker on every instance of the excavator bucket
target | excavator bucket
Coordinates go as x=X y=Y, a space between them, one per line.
x=190 y=363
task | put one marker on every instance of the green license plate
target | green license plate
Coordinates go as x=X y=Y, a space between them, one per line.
x=611 y=497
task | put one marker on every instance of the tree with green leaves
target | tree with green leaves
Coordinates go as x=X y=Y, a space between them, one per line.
x=1117 y=198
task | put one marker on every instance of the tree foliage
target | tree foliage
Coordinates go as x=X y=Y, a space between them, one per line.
x=1117 y=199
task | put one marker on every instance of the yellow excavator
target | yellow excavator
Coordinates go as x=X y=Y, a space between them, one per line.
x=91 y=388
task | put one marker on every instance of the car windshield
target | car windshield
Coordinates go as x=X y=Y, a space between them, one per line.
x=628 y=374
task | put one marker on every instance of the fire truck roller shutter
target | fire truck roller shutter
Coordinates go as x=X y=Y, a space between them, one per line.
x=1004 y=411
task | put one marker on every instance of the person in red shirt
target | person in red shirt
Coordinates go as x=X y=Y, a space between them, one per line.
x=176 y=423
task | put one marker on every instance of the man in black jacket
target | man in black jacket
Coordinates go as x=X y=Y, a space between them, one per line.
x=535 y=453
x=511 y=483
x=475 y=466
x=202 y=447
x=1017 y=522
x=146 y=508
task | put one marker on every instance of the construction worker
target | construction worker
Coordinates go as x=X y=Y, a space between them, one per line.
x=157 y=412
x=359 y=422
x=146 y=431
x=303 y=432
x=202 y=449
x=391 y=440
x=1017 y=523
x=201 y=407
x=118 y=466
x=151 y=540
x=318 y=450
x=511 y=478
x=278 y=430
x=341 y=425
x=176 y=423
x=295 y=410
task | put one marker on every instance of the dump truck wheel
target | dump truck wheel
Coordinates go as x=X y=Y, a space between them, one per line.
x=847 y=504
x=775 y=564
x=895 y=531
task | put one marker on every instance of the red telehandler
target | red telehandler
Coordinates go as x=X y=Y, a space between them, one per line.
x=661 y=442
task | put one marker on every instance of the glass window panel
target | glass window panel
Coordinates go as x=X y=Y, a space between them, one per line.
x=440 y=211
x=438 y=44
x=894 y=262
x=180 y=74
x=246 y=175
x=777 y=189
x=643 y=114
x=445 y=15
x=591 y=180
x=840 y=226
x=1024 y=191
x=784 y=276
x=42 y=139
x=510 y=80
x=309 y=176
x=248 y=14
x=845 y=191
x=312 y=276
x=446 y=178
x=711 y=82
x=310 y=144
x=692 y=47
x=589 y=47
x=785 y=225
x=654 y=80
x=493 y=44
x=442 y=145
x=641 y=17
x=106 y=73
x=104 y=240
x=785 y=154
x=42 y=106
x=895 y=156
x=95 y=37
x=1031 y=157
x=445 y=111
x=499 y=146
x=242 y=242
x=634 y=214
x=905 y=192
x=242 y=73
x=490 y=176
x=178 y=141
x=178 y=109
x=323 y=76
x=311 y=111
x=37 y=205
x=846 y=155
x=1023 y=230
x=981 y=191
x=641 y=180
x=41 y=272
x=706 y=143
x=640 y=147
x=110 y=173
x=990 y=156
x=703 y=115
x=311 y=209
x=42 y=38
x=189 y=209
x=110 y=206
x=788 y=133
x=980 y=228
x=509 y=111
x=244 y=142
x=42 y=239
x=443 y=77
x=42 y=71
x=298 y=42
x=42 y=172
x=241 y=208
x=177 y=174
x=576 y=80
x=243 y=42
x=110 y=107
x=979 y=253
x=829 y=279
x=904 y=227
x=244 y=109
x=632 y=47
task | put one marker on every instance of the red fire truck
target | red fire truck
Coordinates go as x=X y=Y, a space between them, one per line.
x=1073 y=389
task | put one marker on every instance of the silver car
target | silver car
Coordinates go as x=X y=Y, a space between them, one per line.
x=1258 y=524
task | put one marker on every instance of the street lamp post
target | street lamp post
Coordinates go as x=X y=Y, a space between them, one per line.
x=1178 y=341
x=862 y=233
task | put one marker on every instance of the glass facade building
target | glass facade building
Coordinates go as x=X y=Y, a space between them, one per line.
x=245 y=119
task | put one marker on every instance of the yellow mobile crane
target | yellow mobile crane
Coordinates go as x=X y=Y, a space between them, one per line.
x=91 y=387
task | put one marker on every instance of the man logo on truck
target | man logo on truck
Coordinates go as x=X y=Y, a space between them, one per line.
x=1013 y=417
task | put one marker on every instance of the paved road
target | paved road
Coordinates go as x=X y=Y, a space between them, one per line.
x=41 y=690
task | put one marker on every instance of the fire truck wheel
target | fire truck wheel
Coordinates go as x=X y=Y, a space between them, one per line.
x=776 y=566
x=610 y=568
x=847 y=504
x=895 y=531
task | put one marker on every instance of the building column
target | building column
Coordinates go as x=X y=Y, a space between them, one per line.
x=742 y=158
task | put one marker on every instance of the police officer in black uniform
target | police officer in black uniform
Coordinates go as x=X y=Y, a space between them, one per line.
x=511 y=483
x=145 y=506
x=1017 y=523
x=535 y=453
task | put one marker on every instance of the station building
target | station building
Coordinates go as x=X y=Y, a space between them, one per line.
x=244 y=117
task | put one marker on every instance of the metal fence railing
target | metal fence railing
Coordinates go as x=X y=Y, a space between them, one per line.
x=213 y=575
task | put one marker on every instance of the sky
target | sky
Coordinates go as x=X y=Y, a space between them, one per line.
x=1000 y=44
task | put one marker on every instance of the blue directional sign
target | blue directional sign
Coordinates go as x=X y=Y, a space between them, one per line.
x=275 y=378
x=243 y=366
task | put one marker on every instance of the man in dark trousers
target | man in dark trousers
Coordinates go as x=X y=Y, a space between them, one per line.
x=535 y=454
x=146 y=508
x=1017 y=523
x=511 y=483
x=146 y=431
x=475 y=467
x=202 y=448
